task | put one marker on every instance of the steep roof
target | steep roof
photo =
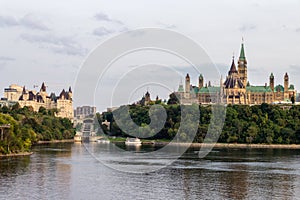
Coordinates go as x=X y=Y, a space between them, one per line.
x=180 y=88
x=279 y=88
x=231 y=82
x=232 y=68
x=242 y=54
x=292 y=87
x=43 y=87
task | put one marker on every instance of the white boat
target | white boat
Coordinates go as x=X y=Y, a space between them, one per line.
x=103 y=141
x=133 y=141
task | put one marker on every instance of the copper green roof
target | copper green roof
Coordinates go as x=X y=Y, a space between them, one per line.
x=195 y=90
x=242 y=54
x=258 y=89
x=212 y=89
x=292 y=87
x=279 y=88
x=180 y=88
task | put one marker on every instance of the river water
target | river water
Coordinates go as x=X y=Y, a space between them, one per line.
x=73 y=171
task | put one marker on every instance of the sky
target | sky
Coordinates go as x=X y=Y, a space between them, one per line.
x=49 y=41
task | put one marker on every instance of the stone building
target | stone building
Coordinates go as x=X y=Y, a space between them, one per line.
x=236 y=88
x=63 y=103
x=84 y=111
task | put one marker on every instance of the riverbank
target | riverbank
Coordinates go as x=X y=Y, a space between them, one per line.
x=16 y=154
x=56 y=141
x=230 y=145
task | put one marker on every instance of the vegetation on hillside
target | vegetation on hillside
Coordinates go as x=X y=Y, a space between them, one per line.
x=27 y=127
x=270 y=124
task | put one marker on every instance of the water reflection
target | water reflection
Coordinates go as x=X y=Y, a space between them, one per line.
x=68 y=171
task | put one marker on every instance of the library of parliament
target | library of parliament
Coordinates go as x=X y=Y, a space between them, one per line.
x=236 y=88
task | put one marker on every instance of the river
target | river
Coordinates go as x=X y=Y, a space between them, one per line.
x=74 y=171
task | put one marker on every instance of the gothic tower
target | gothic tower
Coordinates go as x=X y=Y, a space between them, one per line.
x=242 y=66
x=147 y=97
x=201 y=81
x=187 y=83
x=272 y=81
x=286 y=82
x=187 y=86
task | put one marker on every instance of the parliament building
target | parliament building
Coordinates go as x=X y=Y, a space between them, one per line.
x=236 y=88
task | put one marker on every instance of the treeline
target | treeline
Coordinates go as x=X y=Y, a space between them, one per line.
x=28 y=127
x=270 y=124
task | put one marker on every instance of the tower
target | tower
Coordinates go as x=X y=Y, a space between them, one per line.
x=286 y=82
x=70 y=93
x=187 y=86
x=147 y=97
x=201 y=81
x=272 y=82
x=242 y=66
x=43 y=92
x=187 y=83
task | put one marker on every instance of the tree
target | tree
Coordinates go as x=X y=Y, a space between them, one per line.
x=293 y=99
x=173 y=99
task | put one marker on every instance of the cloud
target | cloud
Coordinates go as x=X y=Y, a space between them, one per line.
x=102 y=31
x=297 y=30
x=4 y=61
x=247 y=27
x=7 y=21
x=4 y=58
x=106 y=18
x=294 y=68
x=28 y=21
x=32 y=22
x=61 y=45
x=102 y=17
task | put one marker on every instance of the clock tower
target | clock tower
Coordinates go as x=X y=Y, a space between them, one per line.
x=242 y=66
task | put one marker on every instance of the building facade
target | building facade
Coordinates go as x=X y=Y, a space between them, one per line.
x=236 y=88
x=63 y=103
x=84 y=111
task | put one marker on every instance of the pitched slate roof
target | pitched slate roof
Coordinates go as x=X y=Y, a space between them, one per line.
x=231 y=82
x=232 y=68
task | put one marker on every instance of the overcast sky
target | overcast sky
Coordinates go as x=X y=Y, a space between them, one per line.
x=49 y=40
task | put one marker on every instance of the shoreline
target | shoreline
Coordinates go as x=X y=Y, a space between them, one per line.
x=230 y=145
x=16 y=154
x=55 y=141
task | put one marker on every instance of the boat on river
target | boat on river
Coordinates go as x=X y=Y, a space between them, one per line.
x=133 y=141
x=103 y=141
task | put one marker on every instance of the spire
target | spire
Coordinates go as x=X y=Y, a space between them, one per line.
x=286 y=75
x=272 y=76
x=70 y=89
x=43 y=88
x=233 y=68
x=242 y=54
x=24 y=90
